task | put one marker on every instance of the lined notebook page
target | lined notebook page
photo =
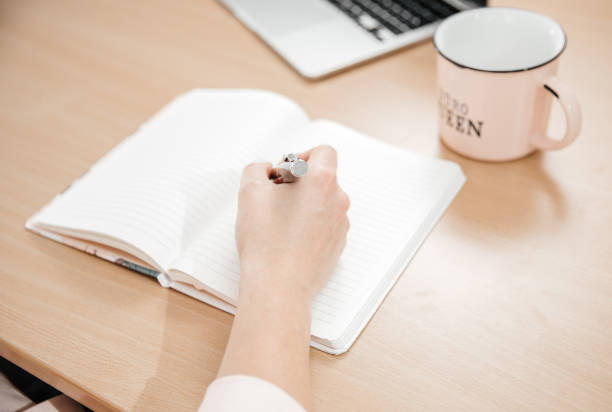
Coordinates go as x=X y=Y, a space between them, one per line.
x=161 y=186
x=391 y=191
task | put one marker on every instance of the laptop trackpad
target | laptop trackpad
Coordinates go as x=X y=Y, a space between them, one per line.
x=284 y=16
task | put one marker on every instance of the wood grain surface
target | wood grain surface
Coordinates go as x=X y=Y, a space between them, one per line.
x=507 y=306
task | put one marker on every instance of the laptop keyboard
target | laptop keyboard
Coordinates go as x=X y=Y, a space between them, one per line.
x=386 y=19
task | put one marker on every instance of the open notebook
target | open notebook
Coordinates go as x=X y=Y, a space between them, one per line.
x=163 y=203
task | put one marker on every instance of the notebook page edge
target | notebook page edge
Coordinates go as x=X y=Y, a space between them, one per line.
x=117 y=257
x=59 y=235
x=99 y=247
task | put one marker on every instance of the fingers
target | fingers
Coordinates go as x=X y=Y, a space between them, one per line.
x=321 y=157
x=305 y=155
x=345 y=201
x=256 y=173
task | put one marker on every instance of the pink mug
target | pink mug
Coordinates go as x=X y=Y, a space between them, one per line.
x=496 y=80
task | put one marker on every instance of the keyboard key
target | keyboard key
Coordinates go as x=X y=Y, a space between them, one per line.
x=395 y=16
x=396 y=8
x=417 y=9
x=384 y=34
x=367 y=21
x=442 y=9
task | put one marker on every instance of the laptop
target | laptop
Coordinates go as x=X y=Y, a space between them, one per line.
x=319 y=37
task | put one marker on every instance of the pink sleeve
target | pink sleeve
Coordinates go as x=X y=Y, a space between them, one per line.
x=247 y=393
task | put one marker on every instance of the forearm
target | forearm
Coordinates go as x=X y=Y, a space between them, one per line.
x=270 y=339
x=289 y=238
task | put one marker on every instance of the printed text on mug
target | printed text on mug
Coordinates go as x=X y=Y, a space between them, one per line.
x=455 y=113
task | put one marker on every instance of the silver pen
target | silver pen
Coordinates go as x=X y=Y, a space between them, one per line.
x=289 y=169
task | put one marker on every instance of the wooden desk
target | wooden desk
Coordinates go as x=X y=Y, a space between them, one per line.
x=507 y=306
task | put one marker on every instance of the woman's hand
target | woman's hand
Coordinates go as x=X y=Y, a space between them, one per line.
x=289 y=238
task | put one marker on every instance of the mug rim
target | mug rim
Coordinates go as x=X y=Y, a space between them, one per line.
x=463 y=66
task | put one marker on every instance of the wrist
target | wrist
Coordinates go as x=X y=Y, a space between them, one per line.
x=272 y=309
x=278 y=277
x=273 y=291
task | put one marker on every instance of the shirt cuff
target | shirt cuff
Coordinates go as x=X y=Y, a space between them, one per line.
x=247 y=393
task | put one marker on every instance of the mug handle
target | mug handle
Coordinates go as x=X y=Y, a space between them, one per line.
x=573 y=116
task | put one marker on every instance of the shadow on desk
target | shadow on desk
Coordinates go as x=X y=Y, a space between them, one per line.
x=517 y=196
x=194 y=338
